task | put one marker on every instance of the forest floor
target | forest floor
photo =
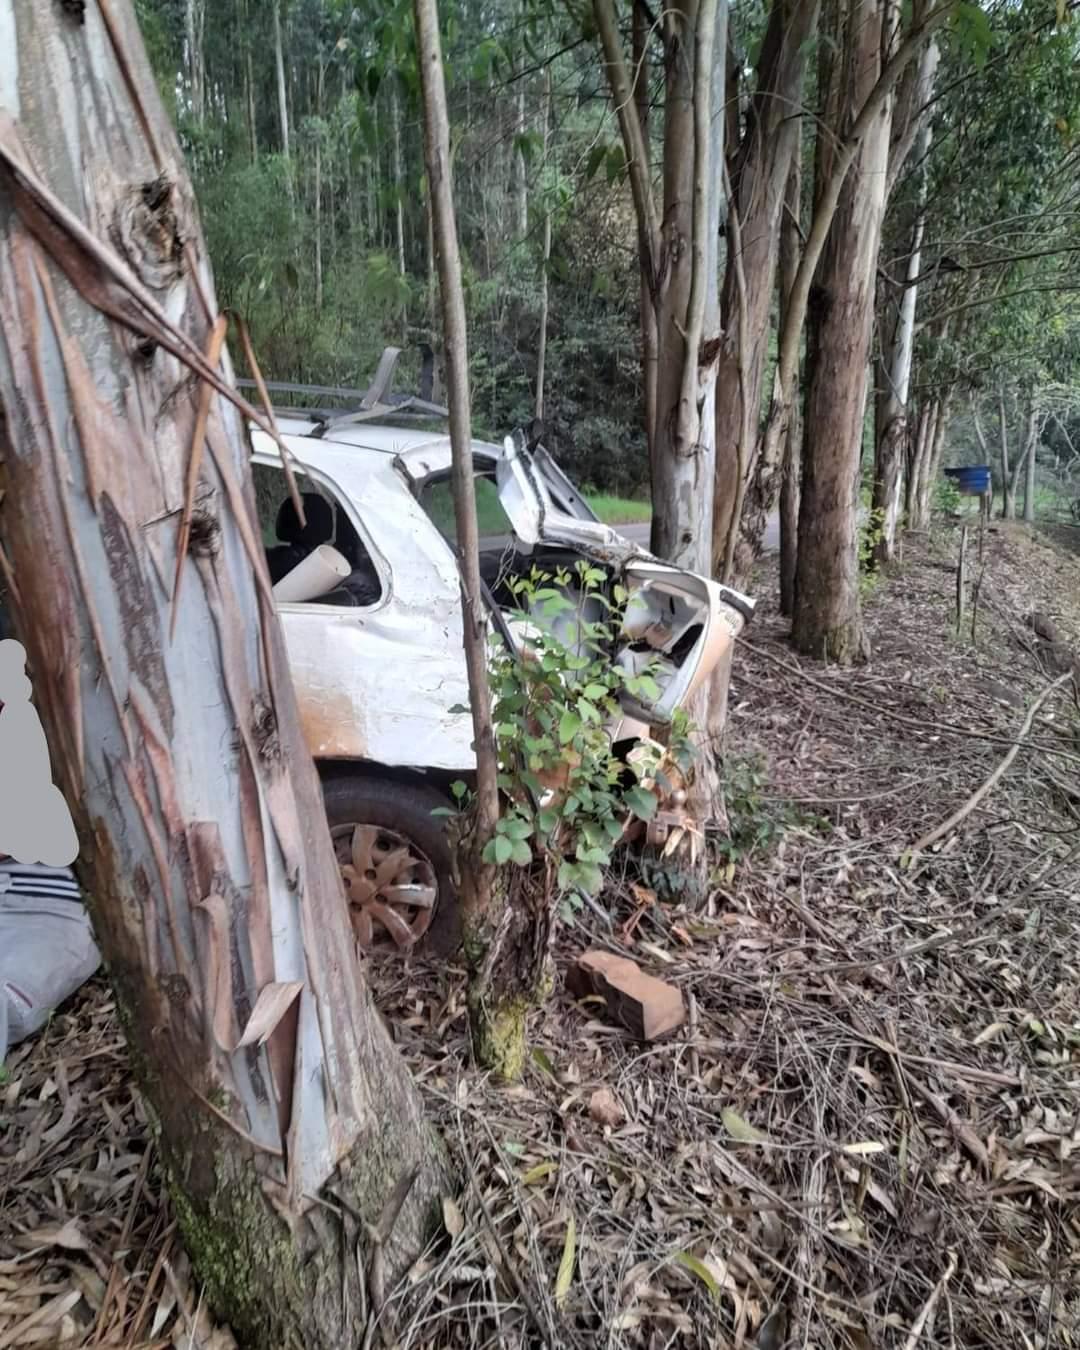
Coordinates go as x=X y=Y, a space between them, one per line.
x=868 y=1134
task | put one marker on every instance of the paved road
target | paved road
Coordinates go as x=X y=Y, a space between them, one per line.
x=639 y=533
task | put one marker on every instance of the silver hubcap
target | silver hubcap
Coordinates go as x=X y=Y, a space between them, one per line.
x=389 y=884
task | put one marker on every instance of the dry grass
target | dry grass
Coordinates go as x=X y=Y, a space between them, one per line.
x=868 y=1137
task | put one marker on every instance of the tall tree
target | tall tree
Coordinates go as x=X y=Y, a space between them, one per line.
x=503 y=984
x=898 y=337
x=140 y=591
x=827 y=620
x=760 y=166
x=676 y=238
x=790 y=485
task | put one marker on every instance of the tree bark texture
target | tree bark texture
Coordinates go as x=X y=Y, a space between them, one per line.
x=216 y=897
x=744 y=493
x=863 y=121
x=545 y=263
x=790 y=483
x=496 y=934
x=827 y=621
x=890 y=449
x=1008 y=481
x=282 y=92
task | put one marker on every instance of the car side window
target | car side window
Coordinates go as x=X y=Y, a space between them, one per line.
x=288 y=542
x=437 y=500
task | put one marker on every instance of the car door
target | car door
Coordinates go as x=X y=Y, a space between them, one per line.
x=377 y=683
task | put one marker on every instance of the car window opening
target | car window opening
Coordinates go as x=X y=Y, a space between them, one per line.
x=287 y=543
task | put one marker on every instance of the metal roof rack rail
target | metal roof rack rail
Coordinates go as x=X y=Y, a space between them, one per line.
x=369 y=404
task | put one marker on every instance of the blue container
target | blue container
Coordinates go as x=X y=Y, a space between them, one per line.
x=972 y=480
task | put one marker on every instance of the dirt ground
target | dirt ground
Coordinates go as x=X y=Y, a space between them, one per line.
x=869 y=1133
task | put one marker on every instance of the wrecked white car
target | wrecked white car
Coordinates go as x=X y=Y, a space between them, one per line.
x=373 y=627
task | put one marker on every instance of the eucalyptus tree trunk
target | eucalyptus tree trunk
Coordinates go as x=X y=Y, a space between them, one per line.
x=1008 y=479
x=161 y=678
x=641 y=65
x=827 y=620
x=790 y=482
x=507 y=956
x=744 y=494
x=545 y=262
x=864 y=120
x=678 y=246
x=279 y=68
x=319 y=190
x=519 y=175
x=896 y=361
x=1029 y=476
x=399 y=199
x=194 y=24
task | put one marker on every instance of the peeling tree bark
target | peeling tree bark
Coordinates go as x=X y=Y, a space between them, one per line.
x=503 y=979
x=827 y=621
x=746 y=490
x=216 y=897
x=896 y=362
x=791 y=480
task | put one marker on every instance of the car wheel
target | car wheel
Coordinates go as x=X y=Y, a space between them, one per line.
x=395 y=862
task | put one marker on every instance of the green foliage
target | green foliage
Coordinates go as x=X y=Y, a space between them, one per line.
x=947 y=498
x=755 y=821
x=567 y=795
x=871 y=533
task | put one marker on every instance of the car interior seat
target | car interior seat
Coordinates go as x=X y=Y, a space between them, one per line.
x=296 y=540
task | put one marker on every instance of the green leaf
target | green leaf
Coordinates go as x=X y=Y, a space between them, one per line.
x=741 y=1129
x=642 y=803
x=697 y=1267
x=569 y=726
x=498 y=850
x=596 y=158
x=541 y=1058
x=539 y=1173
x=459 y=789
x=520 y=853
x=517 y=827
x=566 y=1265
x=548 y=819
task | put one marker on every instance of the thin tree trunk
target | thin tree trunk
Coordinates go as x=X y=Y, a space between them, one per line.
x=932 y=462
x=279 y=67
x=194 y=20
x=827 y=621
x=519 y=173
x=874 y=106
x=215 y=891
x=792 y=473
x=545 y=260
x=642 y=71
x=318 y=192
x=249 y=90
x=759 y=181
x=917 y=453
x=893 y=431
x=507 y=959
x=399 y=206
x=1029 y=476
x=1008 y=482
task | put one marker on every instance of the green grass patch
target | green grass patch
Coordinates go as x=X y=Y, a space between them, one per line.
x=618 y=510
x=492 y=519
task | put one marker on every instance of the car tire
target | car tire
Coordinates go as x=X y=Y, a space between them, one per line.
x=403 y=809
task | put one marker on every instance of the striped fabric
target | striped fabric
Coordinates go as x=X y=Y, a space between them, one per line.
x=33 y=879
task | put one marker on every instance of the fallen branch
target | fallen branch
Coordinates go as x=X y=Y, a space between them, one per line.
x=945 y=728
x=988 y=786
x=930 y=1304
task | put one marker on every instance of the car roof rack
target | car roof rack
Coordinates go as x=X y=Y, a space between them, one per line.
x=376 y=403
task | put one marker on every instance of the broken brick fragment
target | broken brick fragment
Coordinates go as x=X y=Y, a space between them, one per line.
x=647 y=1007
